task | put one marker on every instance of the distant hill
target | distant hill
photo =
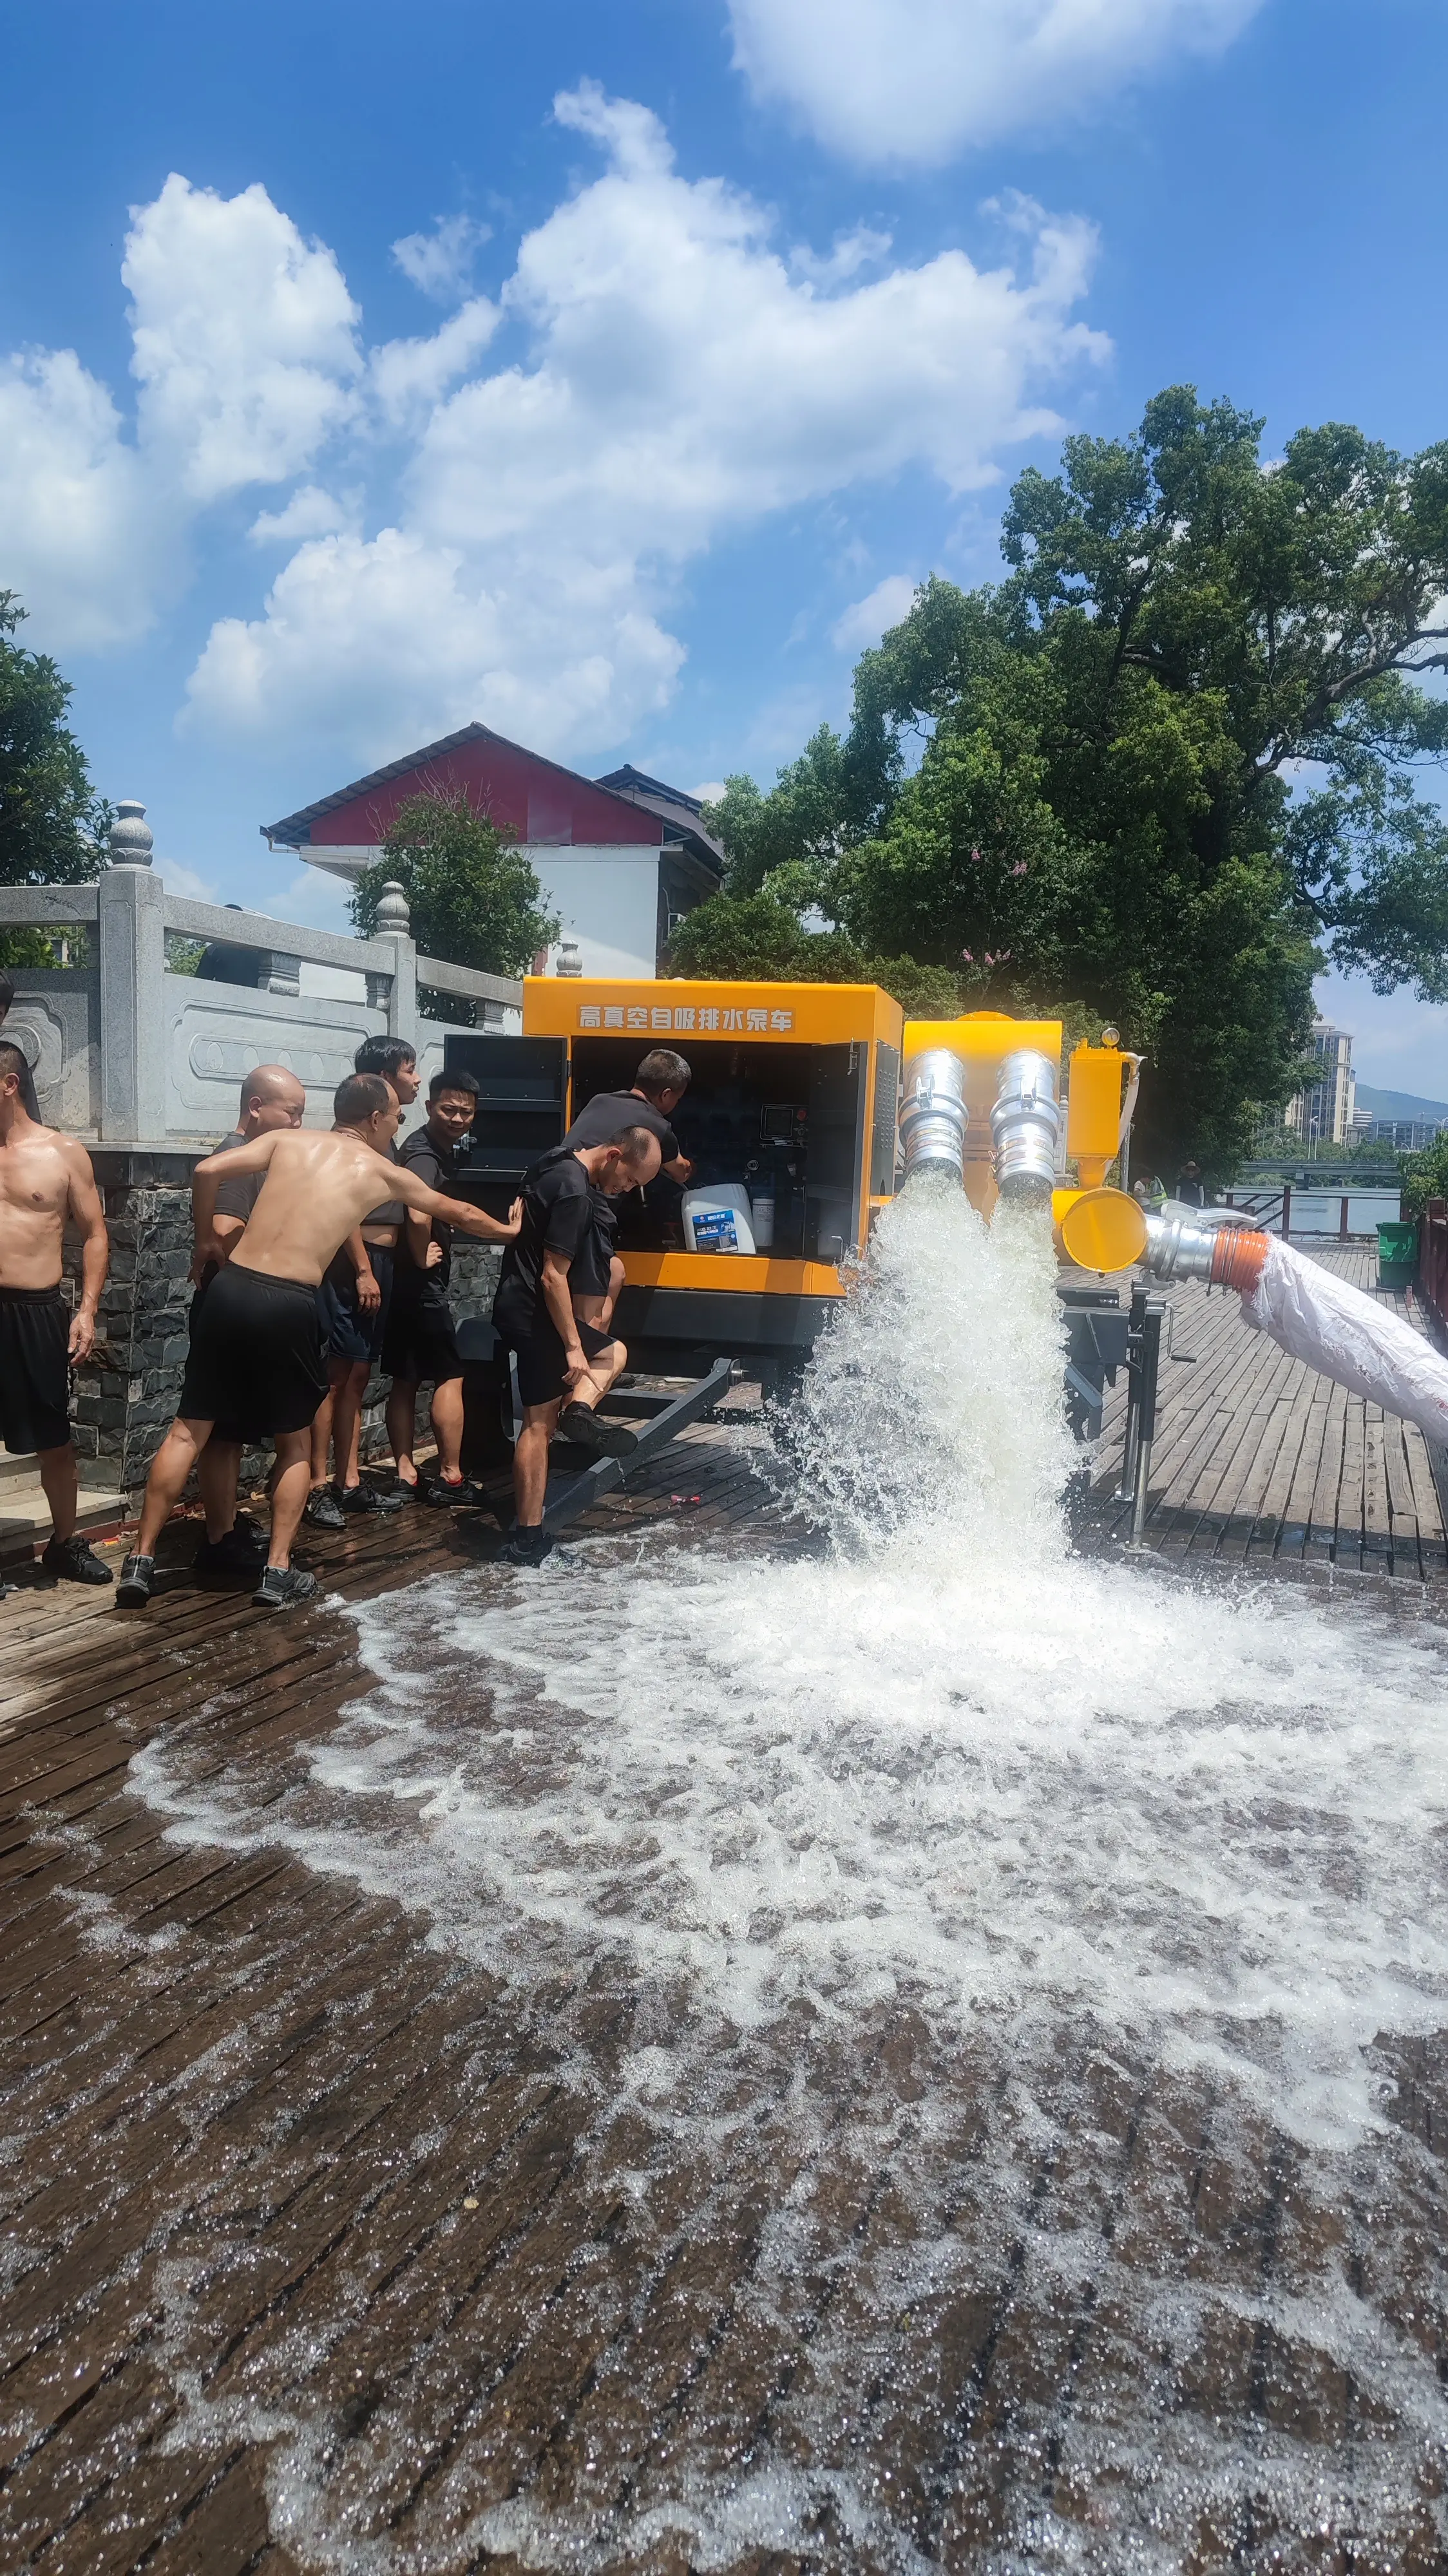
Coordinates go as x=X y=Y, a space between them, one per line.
x=1398 y=1104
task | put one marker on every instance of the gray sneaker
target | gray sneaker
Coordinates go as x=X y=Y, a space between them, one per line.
x=138 y=1574
x=324 y=1511
x=282 y=1587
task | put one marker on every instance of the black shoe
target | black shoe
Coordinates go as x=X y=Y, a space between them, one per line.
x=247 y=1526
x=366 y=1498
x=282 y=1587
x=526 y=1547
x=324 y=1511
x=134 y=1589
x=233 y=1553
x=445 y=1497
x=75 y=1560
x=602 y=1439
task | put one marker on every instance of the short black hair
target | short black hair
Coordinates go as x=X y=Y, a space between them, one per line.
x=635 y=1144
x=7 y=991
x=664 y=1071
x=12 y=1061
x=383 y=1055
x=446 y=1081
x=359 y=1097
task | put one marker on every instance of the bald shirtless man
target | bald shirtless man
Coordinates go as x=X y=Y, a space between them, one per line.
x=44 y=1178
x=270 y=1097
x=256 y=1358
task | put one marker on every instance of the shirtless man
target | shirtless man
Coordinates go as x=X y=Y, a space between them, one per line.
x=44 y=1178
x=256 y=1359
x=270 y=1097
x=355 y=1300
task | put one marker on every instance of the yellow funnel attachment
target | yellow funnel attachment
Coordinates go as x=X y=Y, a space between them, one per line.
x=1103 y=1230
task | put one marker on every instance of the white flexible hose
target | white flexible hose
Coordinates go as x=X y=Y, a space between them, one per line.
x=1319 y=1318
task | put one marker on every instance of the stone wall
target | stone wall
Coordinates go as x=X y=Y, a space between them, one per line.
x=127 y=1394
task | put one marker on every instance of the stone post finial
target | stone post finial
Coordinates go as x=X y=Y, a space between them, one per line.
x=570 y=961
x=132 y=839
x=393 y=916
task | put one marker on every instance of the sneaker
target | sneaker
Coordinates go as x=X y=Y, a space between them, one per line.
x=75 y=1560
x=247 y=1526
x=366 y=1498
x=282 y=1587
x=602 y=1439
x=233 y=1553
x=445 y=1497
x=134 y=1589
x=526 y=1547
x=324 y=1511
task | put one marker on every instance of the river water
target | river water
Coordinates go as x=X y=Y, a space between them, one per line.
x=1064 y=1926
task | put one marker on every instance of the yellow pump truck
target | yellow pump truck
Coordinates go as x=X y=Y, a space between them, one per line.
x=794 y=1107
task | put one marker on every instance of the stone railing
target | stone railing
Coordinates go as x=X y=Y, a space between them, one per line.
x=128 y=1053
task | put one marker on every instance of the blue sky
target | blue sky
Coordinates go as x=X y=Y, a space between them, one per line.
x=608 y=374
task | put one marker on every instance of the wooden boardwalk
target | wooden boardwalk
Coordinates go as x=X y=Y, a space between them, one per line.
x=1259 y=1462
x=323 y=2258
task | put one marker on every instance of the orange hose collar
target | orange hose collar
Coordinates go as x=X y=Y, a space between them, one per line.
x=1239 y=1258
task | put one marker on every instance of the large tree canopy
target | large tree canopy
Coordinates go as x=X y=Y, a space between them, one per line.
x=1165 y=767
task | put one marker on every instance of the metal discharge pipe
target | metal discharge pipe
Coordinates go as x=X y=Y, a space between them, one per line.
x=1312 y=1314
x=1025 y=1124
x=933 y=1114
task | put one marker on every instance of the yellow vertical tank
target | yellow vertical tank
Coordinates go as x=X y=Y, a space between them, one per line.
x=1093 y=1111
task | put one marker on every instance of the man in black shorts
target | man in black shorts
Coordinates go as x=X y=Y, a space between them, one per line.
x=46 y=1180
x=420 y=1344
x=257 y=1356
x=658 y=1087
x=270 y=1097
x=558 y=1356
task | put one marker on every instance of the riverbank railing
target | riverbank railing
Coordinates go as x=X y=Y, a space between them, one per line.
x=131 y=1046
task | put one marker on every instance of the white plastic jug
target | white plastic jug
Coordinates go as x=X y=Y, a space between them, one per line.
x=718 y=1220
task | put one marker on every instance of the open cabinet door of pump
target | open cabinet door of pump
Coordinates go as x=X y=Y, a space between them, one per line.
x=833 y=1162
x=522 y=1110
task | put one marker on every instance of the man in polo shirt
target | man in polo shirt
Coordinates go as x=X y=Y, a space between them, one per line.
x=271 y=1097
x=565 y=1367
x=420 y=1343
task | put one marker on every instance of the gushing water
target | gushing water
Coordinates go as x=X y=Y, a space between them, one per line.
x=938 y=1775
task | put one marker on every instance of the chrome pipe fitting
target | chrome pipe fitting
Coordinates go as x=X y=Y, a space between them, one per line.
x=1177 y=1250
x=1025 y=1126
x=933 y=1114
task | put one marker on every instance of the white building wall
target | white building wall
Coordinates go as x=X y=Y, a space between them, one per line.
x=607 y=898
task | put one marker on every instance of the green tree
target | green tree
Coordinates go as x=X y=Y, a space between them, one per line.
x=1164 y=768
x=53 y=826
x=473 y=897
x=760 y=938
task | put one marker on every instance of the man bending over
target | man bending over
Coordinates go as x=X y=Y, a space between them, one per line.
x=559 y=1356
x=44 y=1178
x=256 y=1359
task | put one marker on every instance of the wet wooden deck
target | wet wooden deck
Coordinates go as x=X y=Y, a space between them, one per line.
x=318 y=2258
x=1259 y=1462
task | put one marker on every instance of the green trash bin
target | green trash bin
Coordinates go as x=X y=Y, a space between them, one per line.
x=1398 y=1253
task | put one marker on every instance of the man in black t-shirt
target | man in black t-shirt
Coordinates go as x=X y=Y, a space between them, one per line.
x=565 y=1367
x=658 y=1087
x=420 y=1343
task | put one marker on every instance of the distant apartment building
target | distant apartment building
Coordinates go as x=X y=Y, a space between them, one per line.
x=1404 y=1135
x=1324 y=1114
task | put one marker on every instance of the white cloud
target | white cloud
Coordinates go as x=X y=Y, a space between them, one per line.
x=918 y=80
x=679 y=383
x=407 y=376
x=244 y=337
x=865 y=622
x=850 y=253
x=244 y=351
x=87 y=541
x=710 y=792
x=441 y=262
x=310 y=512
